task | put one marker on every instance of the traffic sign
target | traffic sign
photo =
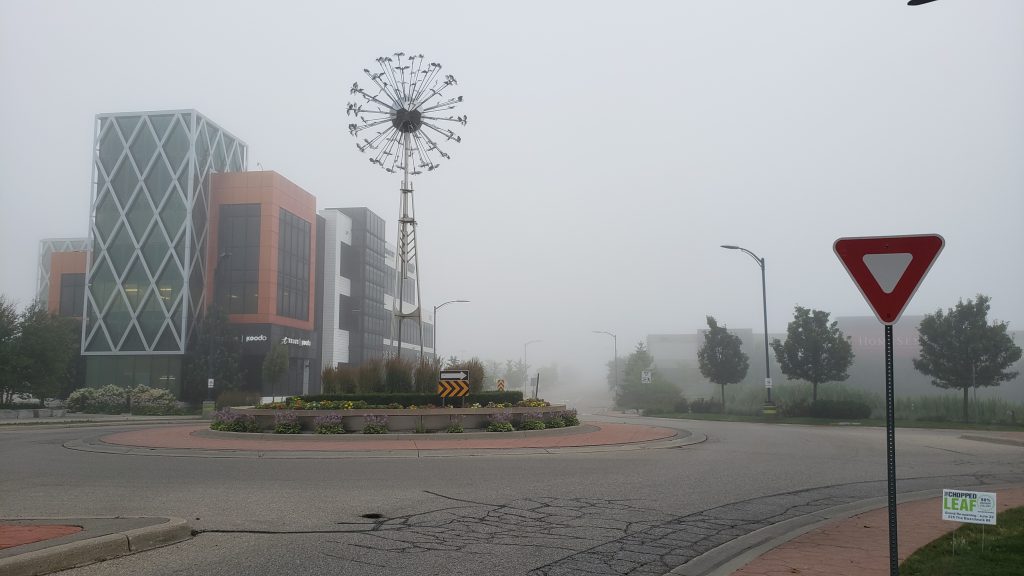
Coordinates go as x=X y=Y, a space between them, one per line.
x=209 y=382
x=501 y=385
x=452 y=383
x=645 y=377
x=888 y=269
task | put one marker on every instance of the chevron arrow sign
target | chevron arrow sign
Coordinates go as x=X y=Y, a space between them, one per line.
x=452 y=383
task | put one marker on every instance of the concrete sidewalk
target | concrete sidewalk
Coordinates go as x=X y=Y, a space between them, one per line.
x=30 y=546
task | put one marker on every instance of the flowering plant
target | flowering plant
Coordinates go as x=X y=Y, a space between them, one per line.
x=286 y=423
x=227 y=420
x=500 y=422
x=330 y=424
x=375 y=424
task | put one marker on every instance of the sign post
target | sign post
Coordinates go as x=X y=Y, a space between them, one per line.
x=888 y=270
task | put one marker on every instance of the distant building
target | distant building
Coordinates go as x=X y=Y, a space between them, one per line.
x=147 y=277
x=47 y=248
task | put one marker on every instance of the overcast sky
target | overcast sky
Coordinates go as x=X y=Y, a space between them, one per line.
x=611 y=146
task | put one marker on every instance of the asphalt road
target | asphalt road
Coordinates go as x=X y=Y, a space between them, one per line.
x=630 y=512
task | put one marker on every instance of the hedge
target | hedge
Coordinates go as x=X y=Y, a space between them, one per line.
x=851 y=409
x=408 y=399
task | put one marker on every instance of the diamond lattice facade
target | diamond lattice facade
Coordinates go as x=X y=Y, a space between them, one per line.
x=47 y=248
x=149 y=232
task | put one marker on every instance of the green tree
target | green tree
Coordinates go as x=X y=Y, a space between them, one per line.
x=9 y=332
x=215 y=340
x=37 y=351
x=515 y=373
x=275 y=365
x=960 y=349
x=633 y=393
x=815 y=350
x=721 y=357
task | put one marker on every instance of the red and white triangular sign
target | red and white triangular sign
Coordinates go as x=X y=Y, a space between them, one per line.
x=888 y=269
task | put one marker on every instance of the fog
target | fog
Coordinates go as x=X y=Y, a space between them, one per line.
x=611 y=147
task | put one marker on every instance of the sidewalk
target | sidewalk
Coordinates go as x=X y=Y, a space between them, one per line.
x=859 y=545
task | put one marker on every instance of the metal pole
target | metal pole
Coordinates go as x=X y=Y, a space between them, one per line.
x=615 y=345
x=767 y=362
x=764 y=302
x=890 y=449
x=436 y=308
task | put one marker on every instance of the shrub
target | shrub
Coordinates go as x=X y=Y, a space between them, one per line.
x=111 y=399
x=375 y=424
x=533 y=425
x=286 y=423
x=702 y=406
x=851 y=409
x=330 y=424
x=571 y=417
x=554 y=422
x=424 y=399
x=455 y=428
x=237 y=398
x=682 y=406
x=227 y=420
x=500 y=422
x=796 y=409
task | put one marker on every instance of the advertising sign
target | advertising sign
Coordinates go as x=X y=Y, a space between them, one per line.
x=970 y=507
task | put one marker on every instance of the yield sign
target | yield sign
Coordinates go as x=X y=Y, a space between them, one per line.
x=888 y=269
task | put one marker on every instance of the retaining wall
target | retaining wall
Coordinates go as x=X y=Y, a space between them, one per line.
x=420 y=419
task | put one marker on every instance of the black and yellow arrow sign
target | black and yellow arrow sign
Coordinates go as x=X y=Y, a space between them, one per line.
x=452 y=383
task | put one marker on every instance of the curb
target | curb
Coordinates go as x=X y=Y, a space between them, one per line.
x=686 y=438
x=96 y=549
x=993 y=439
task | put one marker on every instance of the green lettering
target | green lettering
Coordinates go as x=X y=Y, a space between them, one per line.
x=971 y=504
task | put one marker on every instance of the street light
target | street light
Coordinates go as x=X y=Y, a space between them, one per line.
x=209 y=309
x=436 y=308
x=769 y=405
x=615 y=343
x=526 y=364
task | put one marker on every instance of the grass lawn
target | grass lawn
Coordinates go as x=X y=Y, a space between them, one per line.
x=838 y=422
x=1003 y=553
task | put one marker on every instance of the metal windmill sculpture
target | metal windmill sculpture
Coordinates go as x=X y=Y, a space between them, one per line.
x=406 y=110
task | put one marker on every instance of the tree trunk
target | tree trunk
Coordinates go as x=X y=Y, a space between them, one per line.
x=965 y=404
x=723 y=398
x=814 y=392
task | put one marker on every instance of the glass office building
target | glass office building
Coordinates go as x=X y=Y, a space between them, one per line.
x=148 y=233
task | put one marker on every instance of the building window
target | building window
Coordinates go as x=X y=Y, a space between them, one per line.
x=72 y=295
x=237 y=270
x=293 y=266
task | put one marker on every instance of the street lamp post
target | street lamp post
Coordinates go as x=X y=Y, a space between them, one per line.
x=769 y=405
x=213 y=304
x=615 y=344
x=436 y=308
x=526 y=364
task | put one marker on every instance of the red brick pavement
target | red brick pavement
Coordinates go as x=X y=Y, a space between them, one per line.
x=18 y=535
x=859 y=545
